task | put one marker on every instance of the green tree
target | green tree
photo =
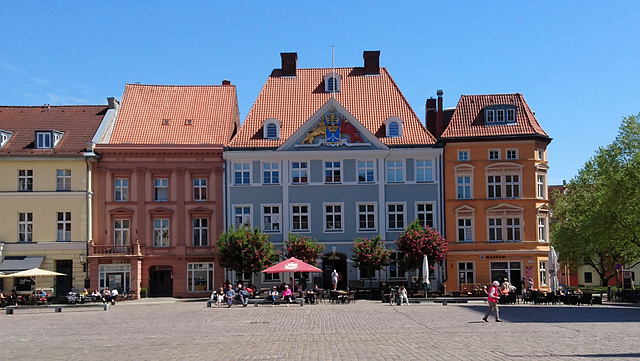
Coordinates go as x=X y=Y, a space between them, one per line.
x=370 y=255
x=418 y=241
x=246 y=250
x=304 y=248
x=596 y=219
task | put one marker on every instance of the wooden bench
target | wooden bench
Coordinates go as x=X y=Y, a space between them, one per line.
x=57 y=308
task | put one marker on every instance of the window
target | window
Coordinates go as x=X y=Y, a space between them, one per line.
x=271 y=277
x=540 y=180
x=200 y=232
x=366 y=217
x=161 y=189
x=494 y=154
x=4 y=137
x=299 y=173
x=489 y=116
x=272 y=131
x=365 y=172
x=511 y=115
x=494 y=186
x=540 y=154
x=366 y=274
x=25 y=227
x=270 y=173
x=300 y=218
x=542 y=229
x=424 y=212
x=588 y=277
x=199 y=189
x=121 y=189
x=43 y=140
x=242 y=216
x=396 y=216
x=25 y=180
x=332 y=83
x=161 y=232
x=424 y=171
x=332 y=217
x=395 y=270
x=512 y=154
x=64 y=227
x=495 y=230
x=512 y=185
x=500 y=115
x=395 y=171
x=513 y=230
x=121 y=232
x=463 y=156
x=332 y=172
x=241 y=174
x=543 y=274
x=63 y=179
x=466 y=272
x=502 y=270
x=394 y=129
x=465 y=230
x=271 y=218
x=200 y=277
x=464 y=187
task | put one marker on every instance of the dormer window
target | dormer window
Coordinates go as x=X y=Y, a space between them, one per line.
x=48 y=139
x=4 y=137
x=394 y=127
x=332 y=83
x=489 y=117
x=271 y=129
x=500 y=114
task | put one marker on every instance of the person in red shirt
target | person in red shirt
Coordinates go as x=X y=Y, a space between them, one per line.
x=492 y=300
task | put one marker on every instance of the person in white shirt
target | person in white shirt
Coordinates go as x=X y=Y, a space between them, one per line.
x=114 y=295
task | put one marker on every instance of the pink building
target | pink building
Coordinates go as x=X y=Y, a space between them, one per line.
x=158 y=187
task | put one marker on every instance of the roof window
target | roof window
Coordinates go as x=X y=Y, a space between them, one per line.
x=165 y=122
x=271 y=129
x=48 y=139
x=500 y=114
x=188 y=122
x=394 y=127
x=332 y=83
x=4 y=137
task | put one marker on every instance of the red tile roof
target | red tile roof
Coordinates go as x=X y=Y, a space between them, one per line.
x=468 y=119
x=78 y=122
x=212 y=110
x=293 y=100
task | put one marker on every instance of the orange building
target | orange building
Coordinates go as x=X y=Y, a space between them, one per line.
x=496 y=201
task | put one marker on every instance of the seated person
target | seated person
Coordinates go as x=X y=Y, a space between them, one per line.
x=273 y=295
x=229 y=295
x=217 y=296
x=251 y=288
x=114 y=295
x=3 y=300
x=96 y=296
x=287 y=295
x=72 y=296
x=106 y=295
x=402 y=292
x=84 y=295
x=243 y=295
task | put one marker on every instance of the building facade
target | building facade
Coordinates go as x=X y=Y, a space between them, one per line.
x=159 y=187
x=333 y=154
x=45 y=192
x=496 y=201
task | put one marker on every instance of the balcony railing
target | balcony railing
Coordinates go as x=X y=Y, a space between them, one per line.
x=116 y=249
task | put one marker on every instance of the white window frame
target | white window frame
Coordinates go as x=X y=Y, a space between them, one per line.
x=245 y=215
x=390 y=124
x=490 y=116
x=121 y=231
x=462 y=185
x=368 y=215
x=403 y=213
x=275 y=218
x=425 y=170
x=543 y=230
x=511 y=185
x=244 y=171
x=25 y=180
x=269 y=172
x=268 y=123
x=395 y=170
x=63 y=180
x=200 y=231
x=494 y=182
x=540 y=154
x=464 y=155
x=161 y=232
x=543 y=273
x=496 y=152
x=25 y=227
x=121 y=185
x=366 y=169
x=208 y=269
x=466 y=228
x=497 y=229
x=467 y=271
x=511 y=115
x=394 y=261
x=514 y=229
x=44 y=140
x=160 y=185
x=63 y=226
x=332 y=172
x=500 y=115
x=300 y=174
x=541 y=185
x=422 y=215
x=200 y=191
x=336 y=218
x=514 y=155
x=332 y=83
x=271 y=278
x=302 y=215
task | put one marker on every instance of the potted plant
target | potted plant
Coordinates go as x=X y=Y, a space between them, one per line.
x=143 y=292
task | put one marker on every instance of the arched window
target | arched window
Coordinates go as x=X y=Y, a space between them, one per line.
x=271 y=129
x=332 y=83
x=393 y=129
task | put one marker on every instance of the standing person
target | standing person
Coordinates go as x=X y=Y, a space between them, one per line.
x=334 y=279
x=492 y=299
x=230 y=295
x=530 y=284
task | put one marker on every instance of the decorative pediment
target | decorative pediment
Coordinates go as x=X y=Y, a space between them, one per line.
x=121 y=211
x=201 y=210
x=503 y=167
x=504 y=209
x=464 y=211
x=543 y=210
x=161 y=211
x=541 y=167
x=464 y=169
x=334 y=127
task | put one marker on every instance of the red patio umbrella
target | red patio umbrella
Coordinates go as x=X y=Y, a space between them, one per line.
x=292 y=265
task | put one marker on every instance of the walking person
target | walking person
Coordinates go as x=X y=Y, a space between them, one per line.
x=334 y=279
x=492 y=300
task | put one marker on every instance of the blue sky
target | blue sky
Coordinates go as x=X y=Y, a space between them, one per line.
x=577 y=63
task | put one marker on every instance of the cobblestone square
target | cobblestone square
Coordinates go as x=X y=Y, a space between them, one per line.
x=171 y=329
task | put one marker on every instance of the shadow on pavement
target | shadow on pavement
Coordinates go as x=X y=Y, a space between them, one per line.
x=560 y=314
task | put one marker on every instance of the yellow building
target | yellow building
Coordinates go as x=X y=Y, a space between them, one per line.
x=45 y=172
x=496 y=201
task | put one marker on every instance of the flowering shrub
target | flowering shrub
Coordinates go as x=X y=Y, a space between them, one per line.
x=370 y=254
x=246 y=250
x=304 y=248
x=417 y=241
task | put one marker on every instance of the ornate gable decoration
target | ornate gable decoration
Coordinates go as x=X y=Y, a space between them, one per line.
x=333 y=130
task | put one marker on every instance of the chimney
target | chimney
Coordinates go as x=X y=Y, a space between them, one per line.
x=113 y=102
x=439 y=116
x=430 y=119
x=371 y=62
x=226 y=82
x=289 y=61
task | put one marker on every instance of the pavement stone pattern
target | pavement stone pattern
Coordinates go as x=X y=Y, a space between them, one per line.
x=172 y=329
